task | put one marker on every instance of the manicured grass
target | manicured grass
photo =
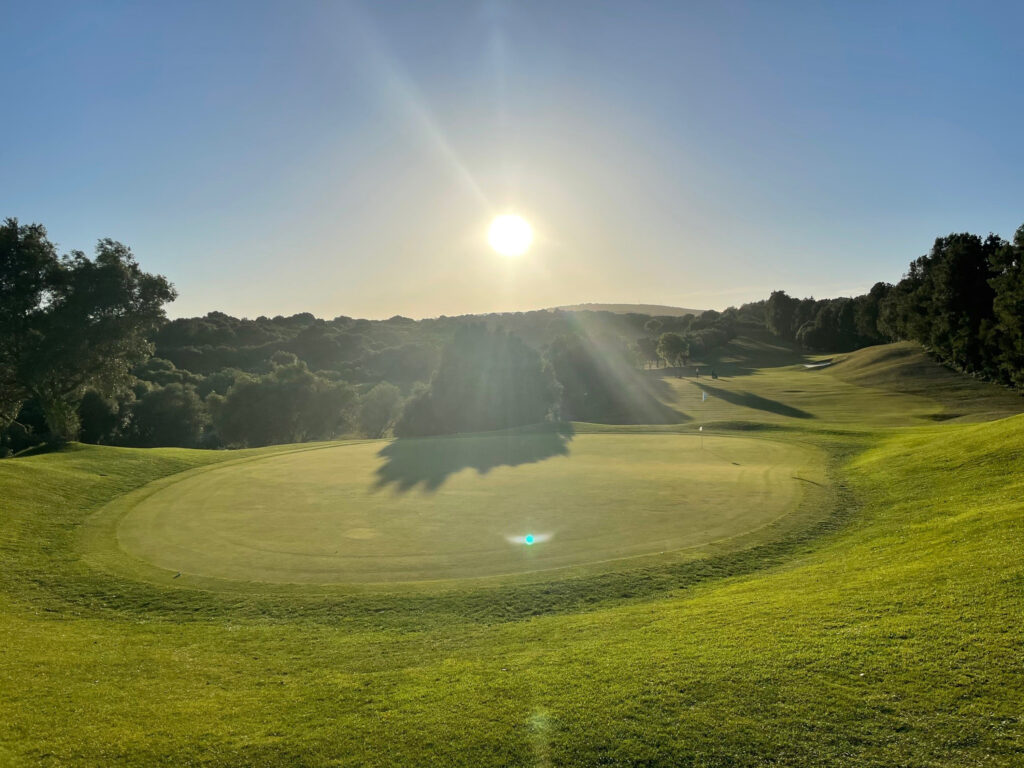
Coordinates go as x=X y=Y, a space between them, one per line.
x=883 y=631
x=348 y=513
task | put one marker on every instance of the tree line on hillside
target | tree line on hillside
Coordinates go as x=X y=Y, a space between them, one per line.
x=963 y=301
x=86 y=352
x=675 y=340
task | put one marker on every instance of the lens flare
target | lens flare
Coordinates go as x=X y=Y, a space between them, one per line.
x=529 y=539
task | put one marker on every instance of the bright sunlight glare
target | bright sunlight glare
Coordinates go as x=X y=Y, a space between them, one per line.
x=510 y=235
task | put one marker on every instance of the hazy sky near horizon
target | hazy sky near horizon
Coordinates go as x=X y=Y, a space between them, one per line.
x=346 y=158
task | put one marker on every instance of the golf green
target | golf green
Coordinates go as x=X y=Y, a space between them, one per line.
x=463 y=507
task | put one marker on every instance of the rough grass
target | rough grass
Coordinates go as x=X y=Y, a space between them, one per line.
x=886 y=633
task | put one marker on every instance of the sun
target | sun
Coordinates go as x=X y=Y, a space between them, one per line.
x=510 y=235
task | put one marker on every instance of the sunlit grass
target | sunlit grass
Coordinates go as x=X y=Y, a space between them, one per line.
x=887 y=633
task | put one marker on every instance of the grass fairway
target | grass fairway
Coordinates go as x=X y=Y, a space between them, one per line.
x=347 y=514
x=885 y=630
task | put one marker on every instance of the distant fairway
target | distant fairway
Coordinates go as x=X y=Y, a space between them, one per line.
x=420 y=510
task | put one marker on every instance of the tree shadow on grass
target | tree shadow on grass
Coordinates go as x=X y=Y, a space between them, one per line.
x=750 y=400
x=426 y=462
x=641 y=399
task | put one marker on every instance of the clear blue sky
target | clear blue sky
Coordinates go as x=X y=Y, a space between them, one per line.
x=272 y=158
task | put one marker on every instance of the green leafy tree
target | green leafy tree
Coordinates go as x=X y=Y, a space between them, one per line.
x=867 y=312
x=781 y=314
x=653 y=326
x=404 y=364
x=379 y=409
x=1007 y=264
x=578 y=370
x=103 y=419
x=647 y=349
x=71 y=324
x=673 y=348
x=288 y=405
x=172 y=415
x=485 y=380
x=597 y=374
x=27 y=261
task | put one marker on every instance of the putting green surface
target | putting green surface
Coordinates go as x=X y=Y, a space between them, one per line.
x=461 y=507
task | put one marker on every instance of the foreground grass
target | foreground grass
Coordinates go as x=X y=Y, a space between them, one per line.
x=892 y=636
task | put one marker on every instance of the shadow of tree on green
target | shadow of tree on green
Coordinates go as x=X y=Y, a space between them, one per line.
x=426 y=462
x=641 y=400
x=750 y=400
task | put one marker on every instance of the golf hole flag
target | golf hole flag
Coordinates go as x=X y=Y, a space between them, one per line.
x=703 y=395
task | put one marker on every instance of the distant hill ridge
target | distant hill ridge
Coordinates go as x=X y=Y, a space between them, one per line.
x=638 y=309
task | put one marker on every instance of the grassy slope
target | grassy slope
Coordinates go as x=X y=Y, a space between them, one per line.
x=764 y=382
x=906 y=369
x=894 y=640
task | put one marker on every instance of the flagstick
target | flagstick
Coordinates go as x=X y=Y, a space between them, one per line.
x=703 y=399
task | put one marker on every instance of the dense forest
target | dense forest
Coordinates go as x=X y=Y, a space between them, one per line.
x=87 y=353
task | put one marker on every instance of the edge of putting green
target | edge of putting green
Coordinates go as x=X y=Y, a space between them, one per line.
x=98 y=543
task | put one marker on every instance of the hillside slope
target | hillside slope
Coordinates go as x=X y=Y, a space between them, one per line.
x=655 y=310
x=765 y=381
x=905 y=368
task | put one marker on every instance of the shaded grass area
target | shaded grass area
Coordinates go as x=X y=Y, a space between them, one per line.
x=752 y=400
x=427 y=463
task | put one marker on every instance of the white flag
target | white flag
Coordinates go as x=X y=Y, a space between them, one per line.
x=703 y=395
